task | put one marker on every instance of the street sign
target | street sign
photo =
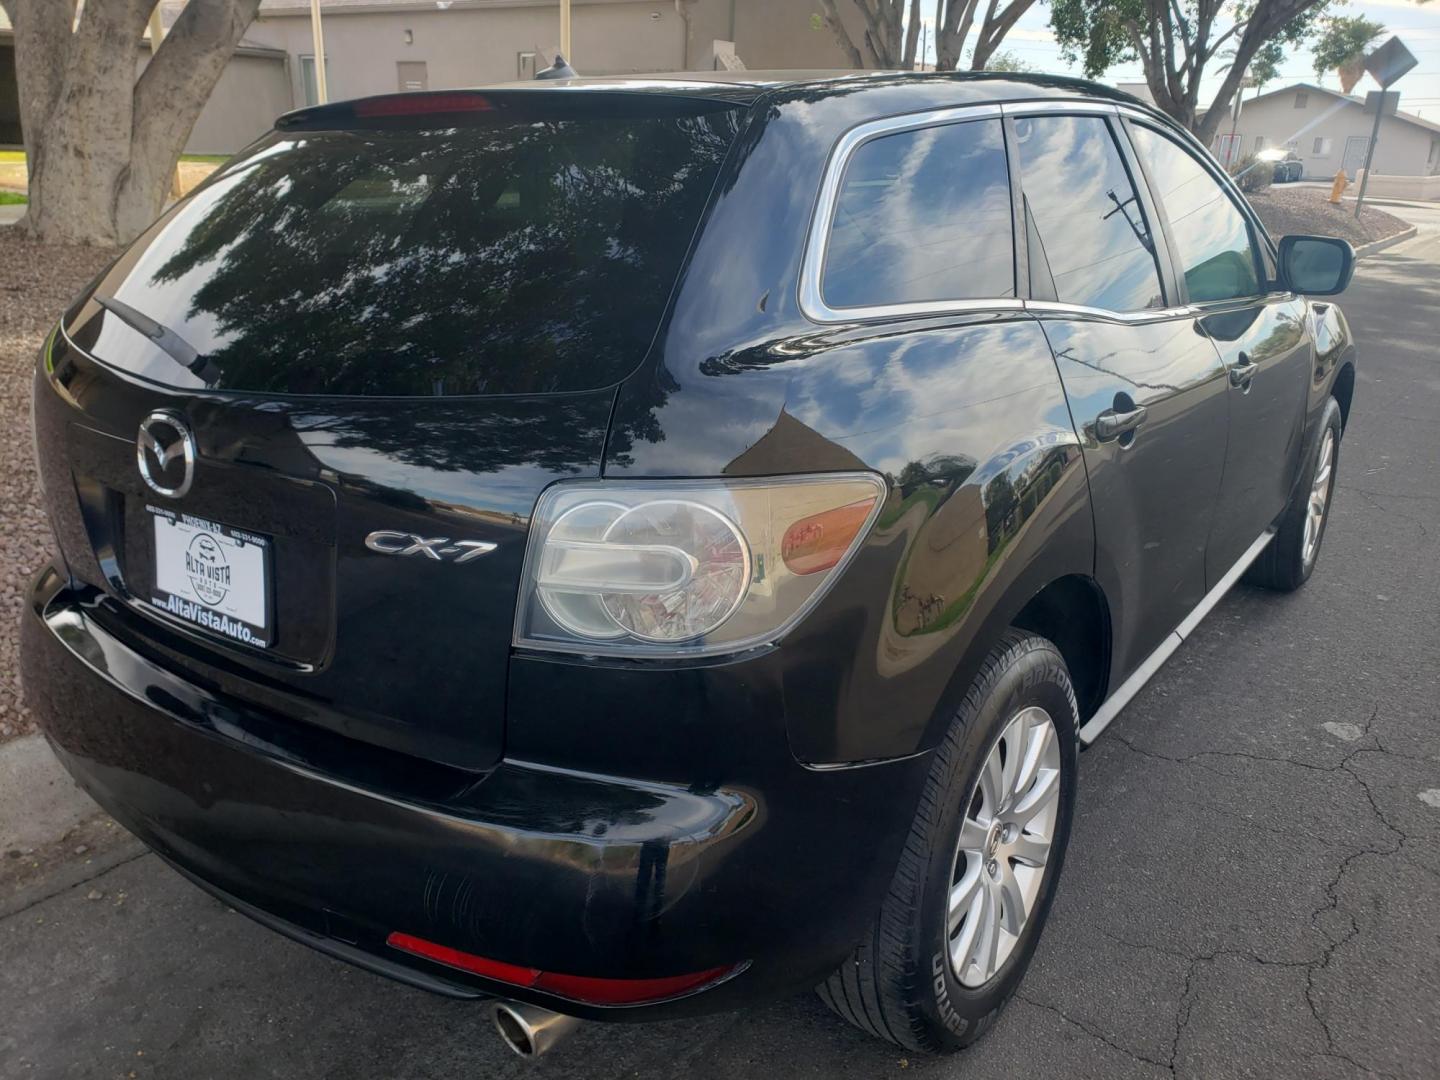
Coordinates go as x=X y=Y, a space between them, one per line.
x=1385 y=102
x=1385 y=65
x=1391 y=60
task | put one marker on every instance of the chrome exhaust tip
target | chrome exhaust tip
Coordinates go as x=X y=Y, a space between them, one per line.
x=529 y=1030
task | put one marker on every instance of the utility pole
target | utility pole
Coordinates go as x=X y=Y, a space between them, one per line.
x=318 y=33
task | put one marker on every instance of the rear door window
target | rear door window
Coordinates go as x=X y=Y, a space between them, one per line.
x=923 y=216
x=1080 y=199
x=1210 y=235
x=529 y=247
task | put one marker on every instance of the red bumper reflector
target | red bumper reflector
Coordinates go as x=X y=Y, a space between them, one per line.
x=582 y=988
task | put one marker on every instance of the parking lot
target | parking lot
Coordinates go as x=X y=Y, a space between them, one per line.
x=1253 y=886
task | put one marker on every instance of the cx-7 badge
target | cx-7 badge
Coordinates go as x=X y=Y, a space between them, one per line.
x=439 y=548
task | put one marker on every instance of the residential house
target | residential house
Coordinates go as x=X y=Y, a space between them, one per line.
x=1329 y=131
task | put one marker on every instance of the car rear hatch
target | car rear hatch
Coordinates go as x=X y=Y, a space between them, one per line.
x=385 y=328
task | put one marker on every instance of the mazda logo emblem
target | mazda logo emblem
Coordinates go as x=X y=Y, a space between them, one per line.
x=165 y=452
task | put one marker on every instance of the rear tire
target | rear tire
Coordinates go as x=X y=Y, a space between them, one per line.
x=903 y=983
x=1291 y=557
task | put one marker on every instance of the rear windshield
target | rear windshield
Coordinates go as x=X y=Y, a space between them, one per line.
x=529 y=249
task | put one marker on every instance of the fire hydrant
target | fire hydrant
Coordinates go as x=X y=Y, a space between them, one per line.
x=1338 y=188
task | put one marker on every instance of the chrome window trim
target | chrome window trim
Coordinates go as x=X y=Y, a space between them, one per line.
x=812 y=267
x=1145 y=315
x=1077 y=107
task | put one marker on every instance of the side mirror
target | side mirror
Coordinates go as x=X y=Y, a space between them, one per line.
x=1316 y=265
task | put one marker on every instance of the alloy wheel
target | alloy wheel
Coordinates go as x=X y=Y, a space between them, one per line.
x=1319 y=500
x=1004 y=845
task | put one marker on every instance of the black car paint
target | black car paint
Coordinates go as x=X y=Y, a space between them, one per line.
x=620 y=818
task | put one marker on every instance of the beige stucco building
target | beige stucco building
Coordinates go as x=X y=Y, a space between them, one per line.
x=1329 y=131
x=381 y=46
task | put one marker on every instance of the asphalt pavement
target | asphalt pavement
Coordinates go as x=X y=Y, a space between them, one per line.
x=1252 y=888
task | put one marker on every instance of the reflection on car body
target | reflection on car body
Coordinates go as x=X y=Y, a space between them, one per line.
x=702 y=519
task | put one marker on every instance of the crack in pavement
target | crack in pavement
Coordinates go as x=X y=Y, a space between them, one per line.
x=1373 y=501
x=1099 y=1036
x=1420 y=496
x=99 y=873
x=1312 y=966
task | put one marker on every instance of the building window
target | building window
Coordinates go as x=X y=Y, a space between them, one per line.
x=307 y=78
x=525 y=65
x=1259 y=143
x=1302 y=98
x=1321 y=147
x=1228 y=148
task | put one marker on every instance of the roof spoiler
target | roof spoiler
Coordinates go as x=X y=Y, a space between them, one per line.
x=387 y=107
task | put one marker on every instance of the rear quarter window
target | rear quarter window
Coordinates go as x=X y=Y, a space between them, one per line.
x=923 y=216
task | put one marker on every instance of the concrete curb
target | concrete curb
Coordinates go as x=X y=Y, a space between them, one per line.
x=1390 y=241
x=1412 y=204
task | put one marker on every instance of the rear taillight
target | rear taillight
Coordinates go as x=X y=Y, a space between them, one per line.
x=582 y=988
x=686 y=567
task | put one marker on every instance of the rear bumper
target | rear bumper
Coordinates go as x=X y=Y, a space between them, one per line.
x=531 y=865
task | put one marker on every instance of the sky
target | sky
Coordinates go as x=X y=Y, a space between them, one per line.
x=1417 y=25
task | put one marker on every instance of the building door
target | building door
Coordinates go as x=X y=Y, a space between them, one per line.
x=412 y=75
x=1227 y=148
x=1355 y=147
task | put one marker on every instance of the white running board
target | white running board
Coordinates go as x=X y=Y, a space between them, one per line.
x=1156 y=660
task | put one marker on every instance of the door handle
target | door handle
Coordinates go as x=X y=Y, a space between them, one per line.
x=1242 y=371
x=1111 y=424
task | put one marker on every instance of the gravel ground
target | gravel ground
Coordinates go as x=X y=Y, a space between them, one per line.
x=1287 y=210
x=36 y=282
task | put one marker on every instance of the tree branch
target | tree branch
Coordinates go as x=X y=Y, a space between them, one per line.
x=993 y=33
x=842 y=35
x=43 y=36
x=181 y=75
x=1264 y=23
x=950 y=39
x=912 y=35
x=1215 y=48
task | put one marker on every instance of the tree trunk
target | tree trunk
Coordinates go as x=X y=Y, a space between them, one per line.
x=842 y=35
x=912 y=35
x=994 y=28
x=101 y=144
x=952 y=23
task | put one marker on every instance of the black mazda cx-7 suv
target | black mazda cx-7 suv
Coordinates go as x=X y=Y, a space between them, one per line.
x=630 y=548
